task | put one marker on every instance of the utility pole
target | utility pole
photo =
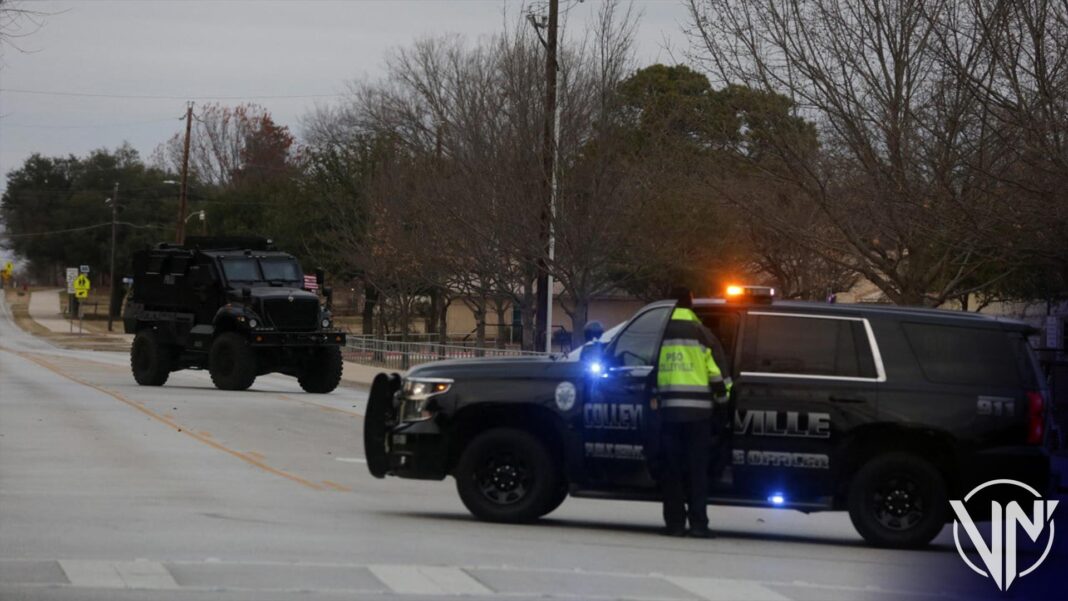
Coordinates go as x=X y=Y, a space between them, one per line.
x=549 y=148
x=114 y=228
x=183 y=194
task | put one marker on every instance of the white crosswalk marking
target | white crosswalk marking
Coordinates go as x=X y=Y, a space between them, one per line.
x=118 y=574
x=722 y=589
x=428 y=580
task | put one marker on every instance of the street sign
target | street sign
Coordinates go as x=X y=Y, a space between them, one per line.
x=84 y=269
x=81 y=286
x=72 y=274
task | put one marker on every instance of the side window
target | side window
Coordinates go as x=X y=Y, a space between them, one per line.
x=639 y=343
x=725 y=328
x=155 y=264
x=966 y=356
x=806 y=346
x=178 y=265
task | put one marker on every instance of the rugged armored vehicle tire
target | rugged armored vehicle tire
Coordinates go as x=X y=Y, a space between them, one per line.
x=231 y=362
x=898 y=500
x=507 y=475
x=323 y=373
x=150 y=360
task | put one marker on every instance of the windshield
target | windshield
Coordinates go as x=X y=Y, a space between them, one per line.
x=241 y=269
x=283 y=269
x=605 y=338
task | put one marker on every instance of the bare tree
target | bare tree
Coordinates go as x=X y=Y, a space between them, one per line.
x=1012 y=58
x=17 y=22
x=898 y=135
x=231 y=143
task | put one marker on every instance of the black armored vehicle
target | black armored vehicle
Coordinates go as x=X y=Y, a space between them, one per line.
x=234 y=306
x=886 y=412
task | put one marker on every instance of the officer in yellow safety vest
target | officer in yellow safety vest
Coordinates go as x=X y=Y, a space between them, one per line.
x=692 y=378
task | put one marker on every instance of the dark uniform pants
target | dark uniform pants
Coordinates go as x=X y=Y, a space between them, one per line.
x=686 y=447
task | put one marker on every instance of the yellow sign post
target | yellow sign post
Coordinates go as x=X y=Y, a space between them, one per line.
x=81 y=286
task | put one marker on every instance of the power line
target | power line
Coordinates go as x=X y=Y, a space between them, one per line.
x=166 y=97
x=83 y=229
x=101 y=125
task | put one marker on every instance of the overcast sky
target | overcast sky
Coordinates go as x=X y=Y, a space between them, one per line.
x=246 y=49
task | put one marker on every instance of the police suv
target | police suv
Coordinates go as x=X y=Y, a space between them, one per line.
x=887 y=412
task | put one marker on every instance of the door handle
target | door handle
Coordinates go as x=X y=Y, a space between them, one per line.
x=847 y=400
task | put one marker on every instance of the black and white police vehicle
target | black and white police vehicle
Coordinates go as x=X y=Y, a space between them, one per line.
x=886 y=412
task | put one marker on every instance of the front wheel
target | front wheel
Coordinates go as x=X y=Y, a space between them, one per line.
x=898 y=500
x=555 y=501
x=507 y=475
x=231 y=362
x=150 y=360
x=323 y=372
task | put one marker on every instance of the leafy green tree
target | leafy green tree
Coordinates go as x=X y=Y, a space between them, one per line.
x=56 y=214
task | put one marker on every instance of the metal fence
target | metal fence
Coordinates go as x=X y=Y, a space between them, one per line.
x=395 y=354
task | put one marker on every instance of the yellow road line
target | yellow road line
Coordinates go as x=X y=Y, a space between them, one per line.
x=336 y=486
x=170 y=423
x=319 y=405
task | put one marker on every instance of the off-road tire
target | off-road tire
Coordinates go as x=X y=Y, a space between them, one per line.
x=323 y=373
x=893 y=484
x=507 y=475
x=231 y=362
x=150 y=361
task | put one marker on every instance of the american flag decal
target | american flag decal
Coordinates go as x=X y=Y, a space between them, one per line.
x=310 y=283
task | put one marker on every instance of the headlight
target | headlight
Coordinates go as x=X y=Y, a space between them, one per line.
x=417 y=392
x=253 y=323
x=325 y=322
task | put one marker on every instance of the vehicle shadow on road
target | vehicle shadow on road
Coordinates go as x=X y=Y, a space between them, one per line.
x=655 y=531
x=251 y=390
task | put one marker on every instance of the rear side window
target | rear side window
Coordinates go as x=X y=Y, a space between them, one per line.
x=964 y=356
x=806 y=346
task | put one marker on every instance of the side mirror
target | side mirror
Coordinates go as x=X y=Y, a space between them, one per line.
x=328 y=294
x=320 y=277
x=592 y=356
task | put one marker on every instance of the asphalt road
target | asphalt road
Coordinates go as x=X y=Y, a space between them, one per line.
x=109 y=491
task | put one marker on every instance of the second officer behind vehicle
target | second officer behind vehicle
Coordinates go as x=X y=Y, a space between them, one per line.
x=692 y=375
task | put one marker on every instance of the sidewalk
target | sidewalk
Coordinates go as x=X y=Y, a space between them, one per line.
x=363 y=375
x=44 y=309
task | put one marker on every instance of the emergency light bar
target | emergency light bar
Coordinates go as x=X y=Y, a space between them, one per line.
x=753 y=294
